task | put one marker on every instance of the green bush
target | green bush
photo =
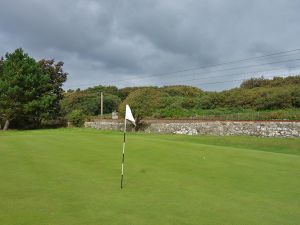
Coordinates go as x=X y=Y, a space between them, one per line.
x=276 y=98
x=89 y=102
x=143 y=102
x=296 y=97
x=188 y=103
x=111 y=103
x=205 y=102
x=77 y=118
x=183 y=91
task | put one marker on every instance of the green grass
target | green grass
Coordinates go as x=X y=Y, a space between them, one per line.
x=72 y=177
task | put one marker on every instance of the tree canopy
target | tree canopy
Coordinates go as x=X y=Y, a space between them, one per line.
x=29 y=91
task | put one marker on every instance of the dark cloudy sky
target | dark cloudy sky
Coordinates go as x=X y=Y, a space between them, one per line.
x=135 y=42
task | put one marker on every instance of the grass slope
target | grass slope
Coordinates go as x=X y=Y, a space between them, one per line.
x=71 y=176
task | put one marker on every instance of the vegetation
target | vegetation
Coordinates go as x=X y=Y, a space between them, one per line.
x=30 y=91
x=144 y=103
x=76 y=117
x=72 y=176
x=257 y=98
x=89 y=100
x=31 y=94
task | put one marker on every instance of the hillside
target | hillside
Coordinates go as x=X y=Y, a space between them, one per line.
x=256 y=98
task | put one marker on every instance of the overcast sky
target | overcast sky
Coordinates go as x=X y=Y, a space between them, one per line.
x=136 y=42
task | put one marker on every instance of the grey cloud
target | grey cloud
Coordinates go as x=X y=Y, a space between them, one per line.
x=102 y=41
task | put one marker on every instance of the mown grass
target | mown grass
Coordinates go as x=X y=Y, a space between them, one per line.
x=72 y=176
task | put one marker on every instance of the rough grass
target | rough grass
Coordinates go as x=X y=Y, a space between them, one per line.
x=72 y=176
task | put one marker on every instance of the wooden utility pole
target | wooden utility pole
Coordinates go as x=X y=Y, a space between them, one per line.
x=101 y=105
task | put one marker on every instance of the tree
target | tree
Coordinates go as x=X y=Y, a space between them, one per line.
x=124 y=92
x=111 y=103
x=1 y=75
x=57 y=78
x=143 y=102
x=113 y=90
x=88 y=103
x=1 y=65
x=254 y=82
x=29 y=91
x=89 y=100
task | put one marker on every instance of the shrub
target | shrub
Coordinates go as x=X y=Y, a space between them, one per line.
x=205 y=102
x=188 y=103
x=183 y=91
x=143 y=102
x=111 y=103
x=77 y=118
x=274 y=99
x=254 y=82
x=296 y=97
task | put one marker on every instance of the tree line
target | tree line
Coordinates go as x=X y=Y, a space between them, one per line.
x=253 y=95
x=32 y=95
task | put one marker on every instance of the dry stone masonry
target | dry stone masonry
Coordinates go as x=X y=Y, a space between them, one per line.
x=223 y=128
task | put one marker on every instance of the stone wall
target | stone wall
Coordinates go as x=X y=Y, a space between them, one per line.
x=105 y=125
x=253 y=128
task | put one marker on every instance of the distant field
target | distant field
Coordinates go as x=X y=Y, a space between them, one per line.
x=72 y=177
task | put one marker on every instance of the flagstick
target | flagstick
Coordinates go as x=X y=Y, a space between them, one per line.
x=122 y=174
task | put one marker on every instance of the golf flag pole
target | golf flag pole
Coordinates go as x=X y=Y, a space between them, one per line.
x=128 y=116
x=123 y=155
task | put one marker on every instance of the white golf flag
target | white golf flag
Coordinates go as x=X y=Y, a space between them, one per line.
x=128 y=115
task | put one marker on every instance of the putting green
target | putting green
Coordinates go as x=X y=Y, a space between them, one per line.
x=72 y=177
